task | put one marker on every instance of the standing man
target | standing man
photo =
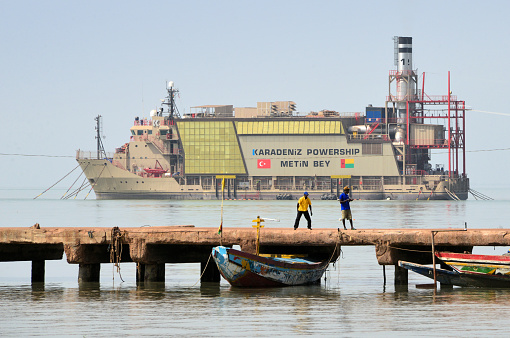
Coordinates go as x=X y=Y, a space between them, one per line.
x=302 y=209
x=345 y=207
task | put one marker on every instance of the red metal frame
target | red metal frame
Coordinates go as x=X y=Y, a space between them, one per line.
x=456 y=135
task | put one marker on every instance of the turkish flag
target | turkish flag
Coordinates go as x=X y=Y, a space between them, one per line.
x=263 y=164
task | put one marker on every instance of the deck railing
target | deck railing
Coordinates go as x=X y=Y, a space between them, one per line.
x=92 y=155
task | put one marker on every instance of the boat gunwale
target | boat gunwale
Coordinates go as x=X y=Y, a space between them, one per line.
x=274 y=262
x=473 y=258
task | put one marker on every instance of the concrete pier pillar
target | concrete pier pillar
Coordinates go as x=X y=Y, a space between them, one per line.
x=140 y=272
x=38 y=271
x=401 y=275
x=154 y=272
x=211 y=273
x=89 y=273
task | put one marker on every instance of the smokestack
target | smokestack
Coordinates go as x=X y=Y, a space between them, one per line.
x=404 y=63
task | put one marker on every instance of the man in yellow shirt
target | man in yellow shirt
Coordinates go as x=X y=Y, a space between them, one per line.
x=302 y=209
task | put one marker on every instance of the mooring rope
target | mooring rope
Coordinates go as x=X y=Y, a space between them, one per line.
x=205 y=268
x=74 y=182
x=337 y=245
x=57 y=182
x=116 y=249
x=92 y=186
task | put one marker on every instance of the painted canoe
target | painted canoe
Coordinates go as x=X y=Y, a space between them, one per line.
x=240 y=268
x=477 y=264
x=453 y=277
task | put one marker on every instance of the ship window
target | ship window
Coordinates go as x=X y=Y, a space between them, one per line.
x=211 y=147
x=139 y=132
x=133 y=132
x=163 y=132
x=150 y=132
x=289 y=127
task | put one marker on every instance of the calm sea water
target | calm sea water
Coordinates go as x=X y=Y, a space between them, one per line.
x=352 y=301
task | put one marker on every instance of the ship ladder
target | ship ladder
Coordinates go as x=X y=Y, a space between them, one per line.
x=452 y=195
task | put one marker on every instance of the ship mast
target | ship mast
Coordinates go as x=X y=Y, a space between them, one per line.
x=170 y=100
x=100 y=149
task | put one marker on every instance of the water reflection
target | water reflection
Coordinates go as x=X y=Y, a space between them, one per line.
x=210 y=289
x=353 y=302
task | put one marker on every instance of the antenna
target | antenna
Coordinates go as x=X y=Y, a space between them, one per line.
x=170 y=100
x=395 y=50
x=99 y=130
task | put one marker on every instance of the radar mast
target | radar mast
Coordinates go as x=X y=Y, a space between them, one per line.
x=170 y=101
x=100 y=148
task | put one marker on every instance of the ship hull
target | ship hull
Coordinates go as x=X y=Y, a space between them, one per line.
x=112 y=183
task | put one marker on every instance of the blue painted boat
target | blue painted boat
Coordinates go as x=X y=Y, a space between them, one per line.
x=240 y=268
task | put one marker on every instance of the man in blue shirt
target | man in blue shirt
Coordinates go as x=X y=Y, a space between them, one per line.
x=345 y=207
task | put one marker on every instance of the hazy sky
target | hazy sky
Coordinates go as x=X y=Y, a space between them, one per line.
x=64 y=62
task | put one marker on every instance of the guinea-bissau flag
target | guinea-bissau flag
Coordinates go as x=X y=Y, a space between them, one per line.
x=347 y=163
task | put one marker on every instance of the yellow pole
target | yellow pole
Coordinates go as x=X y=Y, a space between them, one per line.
x=258 y=226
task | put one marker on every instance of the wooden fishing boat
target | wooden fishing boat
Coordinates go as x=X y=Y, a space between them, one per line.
x=244 y=269
x=467 y=270
x=495 y=265
x=452 y=277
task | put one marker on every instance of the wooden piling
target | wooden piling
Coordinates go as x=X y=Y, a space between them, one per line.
x=140 y=272
x=210 y=272
x=401 y=275
x=154 y=272
x=89 y=273
x=38 y=271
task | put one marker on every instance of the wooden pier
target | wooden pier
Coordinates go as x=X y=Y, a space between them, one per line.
x=151 y=247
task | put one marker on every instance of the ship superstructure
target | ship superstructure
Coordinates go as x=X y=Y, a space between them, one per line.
x=269 y=152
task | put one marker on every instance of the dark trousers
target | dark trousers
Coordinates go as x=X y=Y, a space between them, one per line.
x=298 y=217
